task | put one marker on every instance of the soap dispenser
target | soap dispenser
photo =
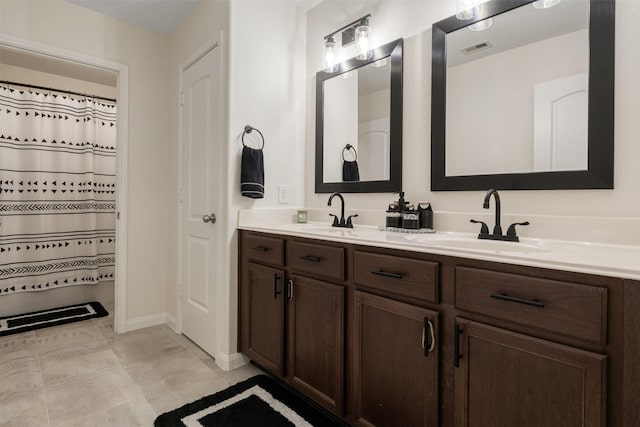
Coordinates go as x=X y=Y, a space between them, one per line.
x=394 y=212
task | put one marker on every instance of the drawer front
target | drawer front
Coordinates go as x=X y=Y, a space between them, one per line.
x=570 y=309
x=406 y=277
x=268 y=250
x=326 y=261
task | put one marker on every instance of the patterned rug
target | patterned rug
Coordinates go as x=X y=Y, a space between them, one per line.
x=52 y=317
x=258 y=401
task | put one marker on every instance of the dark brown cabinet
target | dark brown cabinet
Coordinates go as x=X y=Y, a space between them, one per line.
x=262 y=311
x=315 y=347
x=509 y=379
x=395 y=367
x=385 y=337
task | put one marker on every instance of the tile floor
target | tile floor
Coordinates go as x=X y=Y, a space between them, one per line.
x=82 y=374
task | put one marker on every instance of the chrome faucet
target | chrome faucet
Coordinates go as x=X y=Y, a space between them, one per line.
x=340 y=222
x=497 y=229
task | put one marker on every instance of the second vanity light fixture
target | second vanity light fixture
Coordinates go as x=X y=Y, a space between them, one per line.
x=357 y=31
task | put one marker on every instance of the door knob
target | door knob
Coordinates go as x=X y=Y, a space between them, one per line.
x=209 y=218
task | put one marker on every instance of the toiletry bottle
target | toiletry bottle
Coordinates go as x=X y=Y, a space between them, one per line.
x=410 y=218
x=394 y=216
x=426 y=215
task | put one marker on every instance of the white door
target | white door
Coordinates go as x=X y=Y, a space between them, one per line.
x=201 y=139
x=561 y=123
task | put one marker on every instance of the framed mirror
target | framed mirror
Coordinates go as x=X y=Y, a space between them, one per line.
x=526 y=103
x=359 y=124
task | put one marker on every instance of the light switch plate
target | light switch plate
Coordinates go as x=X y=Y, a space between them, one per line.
x=283 y=194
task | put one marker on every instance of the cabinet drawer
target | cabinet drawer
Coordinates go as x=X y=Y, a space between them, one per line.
x=570 y=309
x=406 y=277
x=268 y=250
x=326 y=261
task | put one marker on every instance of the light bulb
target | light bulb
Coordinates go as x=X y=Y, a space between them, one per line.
x=329 y=55
x=467 y=9
x=363 y=37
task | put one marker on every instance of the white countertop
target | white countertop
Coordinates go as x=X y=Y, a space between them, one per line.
x=621 y=261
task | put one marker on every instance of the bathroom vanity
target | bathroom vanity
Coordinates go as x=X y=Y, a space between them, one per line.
x=394 y=329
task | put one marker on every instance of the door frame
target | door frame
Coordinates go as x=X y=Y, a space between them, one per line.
x=222 y=194
x=122 y=152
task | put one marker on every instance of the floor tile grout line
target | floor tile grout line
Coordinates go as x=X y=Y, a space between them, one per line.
x=44 y=390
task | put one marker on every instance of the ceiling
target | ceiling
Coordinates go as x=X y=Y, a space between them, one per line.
x=162 y=16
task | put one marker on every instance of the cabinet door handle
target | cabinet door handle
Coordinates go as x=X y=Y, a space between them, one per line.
x=428 y=337
x=290 y=289
x=310 y=258
x=387 y=274
x=505 y=297
x=275 y=286
x=260 y=248
x=456 y=345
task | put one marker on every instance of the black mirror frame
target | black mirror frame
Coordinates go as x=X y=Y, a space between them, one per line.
x=599 y=174
x=393 y=50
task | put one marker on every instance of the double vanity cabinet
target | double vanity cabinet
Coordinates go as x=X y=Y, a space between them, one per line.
x=388 y=337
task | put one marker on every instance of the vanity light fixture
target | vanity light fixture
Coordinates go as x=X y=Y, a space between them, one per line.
x=357 y=31
x=329 y=55
x=545 y=4
x=363 y=36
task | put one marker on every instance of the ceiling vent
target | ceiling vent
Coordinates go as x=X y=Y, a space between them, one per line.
x=476 y=47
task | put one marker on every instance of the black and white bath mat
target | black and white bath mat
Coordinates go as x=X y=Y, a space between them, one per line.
x=52 y=317
x=258 y=401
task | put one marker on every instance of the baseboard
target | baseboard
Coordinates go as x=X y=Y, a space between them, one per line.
x=229 y=362
x=172 y=322
x=146 y=321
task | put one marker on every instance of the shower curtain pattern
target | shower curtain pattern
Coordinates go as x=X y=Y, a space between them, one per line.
x=57 y=190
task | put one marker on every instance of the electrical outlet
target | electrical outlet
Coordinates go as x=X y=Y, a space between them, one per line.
x=283 y=194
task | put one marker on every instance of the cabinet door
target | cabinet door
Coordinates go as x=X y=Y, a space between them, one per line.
x=509 y=379
x=395 y=378
x=262 y=316
x=315 y=321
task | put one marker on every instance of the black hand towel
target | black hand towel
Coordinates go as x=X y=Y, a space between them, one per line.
x=252 y=173
x=350 y=171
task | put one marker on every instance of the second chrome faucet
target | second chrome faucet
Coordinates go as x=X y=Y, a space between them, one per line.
x=511 y=235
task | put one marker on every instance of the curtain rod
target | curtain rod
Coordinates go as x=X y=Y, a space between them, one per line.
x=57 y=90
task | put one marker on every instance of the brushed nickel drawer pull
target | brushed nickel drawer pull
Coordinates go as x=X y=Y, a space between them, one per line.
x=387 y=274
x=310 y=258
x=505 y=297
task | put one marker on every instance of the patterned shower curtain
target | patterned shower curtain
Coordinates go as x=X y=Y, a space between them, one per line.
x=57 y=190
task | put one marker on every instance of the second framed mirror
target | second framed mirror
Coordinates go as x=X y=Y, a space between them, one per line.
x=359 y=124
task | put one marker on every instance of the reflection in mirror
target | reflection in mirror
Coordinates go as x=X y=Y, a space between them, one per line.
x=517 y=94
x=526 y=103
x=359 y=124
x=356 y=113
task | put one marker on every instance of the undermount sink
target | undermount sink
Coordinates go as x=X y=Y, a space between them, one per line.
x=477 y=244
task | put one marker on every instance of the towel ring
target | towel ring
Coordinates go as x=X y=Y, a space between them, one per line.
x=249 y=129
x=349 y=147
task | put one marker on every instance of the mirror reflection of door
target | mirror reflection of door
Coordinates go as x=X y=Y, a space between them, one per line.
x=357 y=107
x=494 y=85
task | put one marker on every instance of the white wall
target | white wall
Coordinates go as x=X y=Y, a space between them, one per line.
x=266 y=80
x=72 y=28
x=263 y=49
x=21 y=74
x=412 y=20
